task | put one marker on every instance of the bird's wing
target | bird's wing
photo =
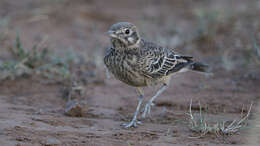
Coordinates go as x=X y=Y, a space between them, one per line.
x=158 y=61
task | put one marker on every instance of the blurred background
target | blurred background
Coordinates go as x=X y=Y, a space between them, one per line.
x=49 y=48
x=223 y=32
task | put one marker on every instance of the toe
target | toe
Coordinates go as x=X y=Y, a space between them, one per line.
x=132 y=124
x=139 y=123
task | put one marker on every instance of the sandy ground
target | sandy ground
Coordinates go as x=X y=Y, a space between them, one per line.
x=32 y=110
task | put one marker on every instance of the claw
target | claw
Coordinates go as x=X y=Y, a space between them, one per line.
x=133 y=123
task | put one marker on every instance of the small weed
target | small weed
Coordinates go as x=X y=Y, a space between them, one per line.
x=204 y=35
x=256 y=49
x=34 y=61
x=128 y=143
x=200 y=124
x=207 y=19
x=4 y=29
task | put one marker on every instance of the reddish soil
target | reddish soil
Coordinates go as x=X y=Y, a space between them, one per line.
x=32 y=109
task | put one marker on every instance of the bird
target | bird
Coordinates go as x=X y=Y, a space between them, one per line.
x=141 y=63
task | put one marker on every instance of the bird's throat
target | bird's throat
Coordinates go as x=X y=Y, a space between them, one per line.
x=119 y=45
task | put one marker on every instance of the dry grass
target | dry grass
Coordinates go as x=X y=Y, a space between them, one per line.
x=202 y=126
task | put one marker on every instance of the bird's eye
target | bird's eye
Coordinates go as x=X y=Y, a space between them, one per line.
x=127 y=31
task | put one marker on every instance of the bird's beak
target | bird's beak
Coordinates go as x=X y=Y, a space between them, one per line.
x=111 y=33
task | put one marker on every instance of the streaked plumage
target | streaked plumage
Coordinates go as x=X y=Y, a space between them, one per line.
x=148 y=64
x=140 y=63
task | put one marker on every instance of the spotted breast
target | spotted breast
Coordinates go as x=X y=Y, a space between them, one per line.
x=123 y=64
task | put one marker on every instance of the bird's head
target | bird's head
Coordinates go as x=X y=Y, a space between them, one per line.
x=124 y=33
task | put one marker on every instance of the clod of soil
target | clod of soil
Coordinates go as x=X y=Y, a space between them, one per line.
x=73 y=109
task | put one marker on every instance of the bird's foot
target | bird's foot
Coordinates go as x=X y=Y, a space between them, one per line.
x=147 y=109
x=133 y=123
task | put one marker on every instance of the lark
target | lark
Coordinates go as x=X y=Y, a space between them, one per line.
x=140 y=63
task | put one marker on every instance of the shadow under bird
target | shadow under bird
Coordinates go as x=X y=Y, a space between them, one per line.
x=141 y=63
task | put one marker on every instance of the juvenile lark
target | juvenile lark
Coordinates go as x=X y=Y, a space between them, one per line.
x=140 y=63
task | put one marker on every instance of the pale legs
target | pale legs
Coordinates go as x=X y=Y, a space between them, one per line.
x=134 y=121
x=147 y=108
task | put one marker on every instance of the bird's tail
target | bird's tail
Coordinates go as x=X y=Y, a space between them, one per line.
x=195 y=66
x=200 y=67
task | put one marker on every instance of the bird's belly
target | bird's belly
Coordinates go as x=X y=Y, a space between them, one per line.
x=137 y=82
x=129 y=77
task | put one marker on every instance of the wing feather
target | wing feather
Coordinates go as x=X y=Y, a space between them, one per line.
x=161 y=62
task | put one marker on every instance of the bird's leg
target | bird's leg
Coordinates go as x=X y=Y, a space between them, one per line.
x=147 y=108
x=134 y=121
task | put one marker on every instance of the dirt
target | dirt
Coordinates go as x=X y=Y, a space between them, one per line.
x=33 y=109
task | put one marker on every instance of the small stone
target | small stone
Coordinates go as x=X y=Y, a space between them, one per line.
x=52 y=142
x=73 y=109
